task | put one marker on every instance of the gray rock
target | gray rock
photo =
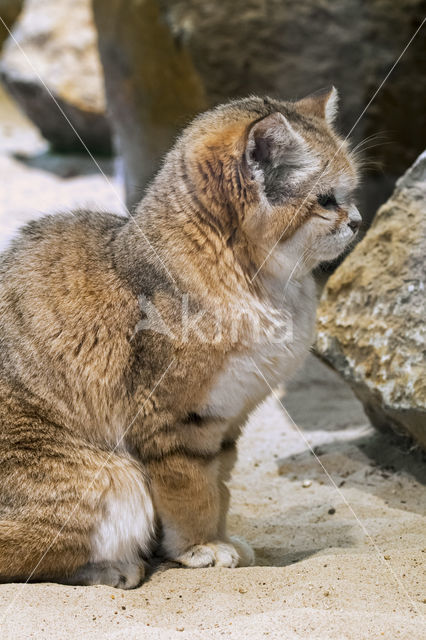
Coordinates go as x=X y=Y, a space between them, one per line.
x=371 y=319
x=60 y=59
x=166 y=59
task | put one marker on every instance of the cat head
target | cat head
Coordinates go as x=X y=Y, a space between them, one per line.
x=274 y=175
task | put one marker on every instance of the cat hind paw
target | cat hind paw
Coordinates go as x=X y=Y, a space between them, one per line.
x=121 y=575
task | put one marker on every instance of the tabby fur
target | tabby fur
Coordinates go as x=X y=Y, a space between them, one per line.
x=133 y=349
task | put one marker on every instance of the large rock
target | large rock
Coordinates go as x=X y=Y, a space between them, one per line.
x=60 y=57
x=165 y=59
x=371 y=320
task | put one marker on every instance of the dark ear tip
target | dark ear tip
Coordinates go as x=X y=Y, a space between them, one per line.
x=321 y=93
x=321 y=103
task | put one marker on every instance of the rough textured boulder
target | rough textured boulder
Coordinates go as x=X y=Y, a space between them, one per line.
x=371 y=320
x=9 y=11
x=165 y=59
x=59 y=40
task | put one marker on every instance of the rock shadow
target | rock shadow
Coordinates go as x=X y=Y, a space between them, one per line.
x=296 y=533
x=378 y=464
x=319 y=399
x=70 y=165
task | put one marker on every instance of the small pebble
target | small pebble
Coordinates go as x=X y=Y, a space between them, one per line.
x=180 y=628
x=242 y=590
x=326 y=593
x=387 y=557
x=306 y=483
x=332 y=511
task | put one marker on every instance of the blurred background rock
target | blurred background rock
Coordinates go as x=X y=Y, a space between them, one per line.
x=53 y=53
x=193 y=53
x=165 y=60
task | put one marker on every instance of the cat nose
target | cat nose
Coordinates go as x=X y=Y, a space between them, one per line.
x=354 y=225
x=355 y=219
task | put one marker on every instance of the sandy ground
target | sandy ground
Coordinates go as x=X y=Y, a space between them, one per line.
x=335 y=511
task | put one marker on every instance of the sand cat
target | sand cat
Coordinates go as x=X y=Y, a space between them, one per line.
x=133 y=349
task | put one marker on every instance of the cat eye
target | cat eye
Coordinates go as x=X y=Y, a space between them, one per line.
x=327 y=201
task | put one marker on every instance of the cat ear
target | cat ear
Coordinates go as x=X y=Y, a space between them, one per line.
x=322 y=104
x=273 y=141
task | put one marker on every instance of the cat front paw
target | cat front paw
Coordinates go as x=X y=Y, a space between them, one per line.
x=245 y=552
x=211 y=554
x=218 y=554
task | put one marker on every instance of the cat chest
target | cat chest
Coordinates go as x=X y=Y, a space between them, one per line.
x=247 y=378
x=241 y=384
